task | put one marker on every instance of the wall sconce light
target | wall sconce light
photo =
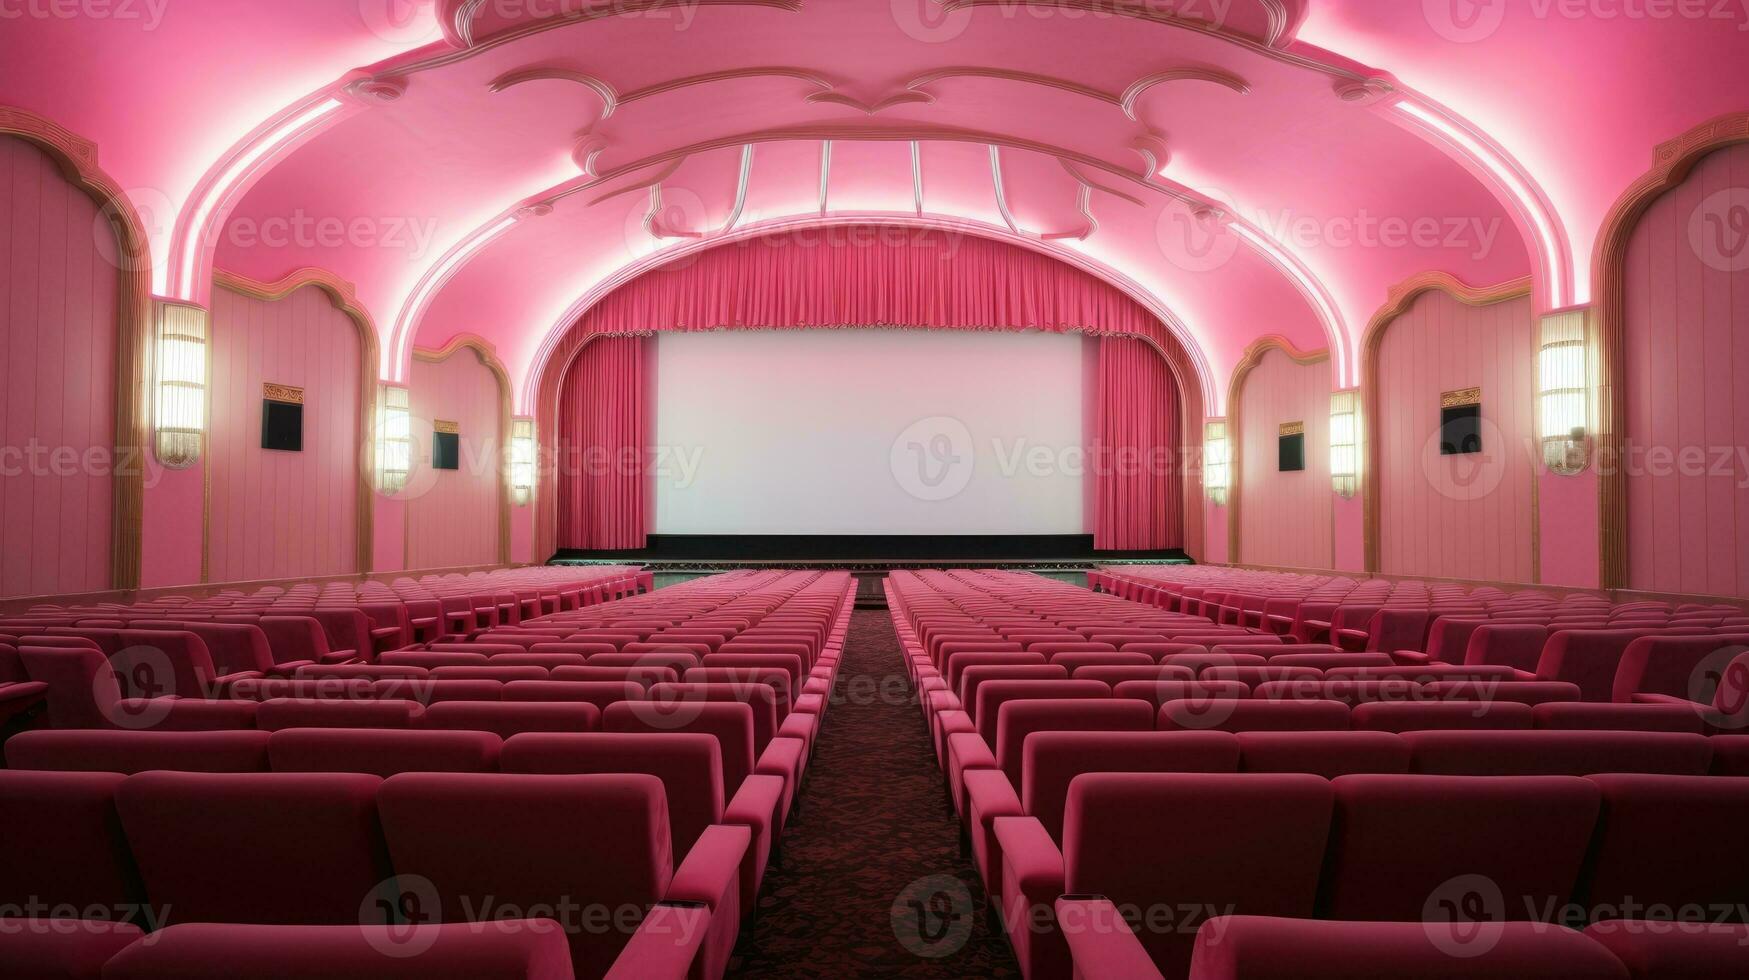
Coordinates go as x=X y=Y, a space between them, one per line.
x=1216 y=461
x=1563 y=393
x=1345 y=442
x=180 y=363
x=394 y=438
x=522 y=457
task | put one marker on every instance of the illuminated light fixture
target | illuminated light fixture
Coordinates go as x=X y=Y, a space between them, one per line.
x=1345 y=442
x=180 y=363
x=428 y=287
x=394 y=439
x=1563 y=393
x=1216 y=461
x=221 y=189
x=522 y=459
x=1504 y=170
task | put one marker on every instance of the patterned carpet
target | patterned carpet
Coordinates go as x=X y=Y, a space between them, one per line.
x=871 y=883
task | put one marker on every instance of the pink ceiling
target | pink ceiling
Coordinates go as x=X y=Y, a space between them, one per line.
x=1241 y=165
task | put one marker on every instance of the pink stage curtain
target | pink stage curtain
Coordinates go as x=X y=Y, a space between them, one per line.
x=604 y=425
x=1139 y=487
x=862 y=276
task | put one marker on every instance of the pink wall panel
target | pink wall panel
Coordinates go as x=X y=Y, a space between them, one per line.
x=1285 y=518
x=282 y=514
x=58 y=313
x=1472 y=516
x=452 y=515
x=1687 y=364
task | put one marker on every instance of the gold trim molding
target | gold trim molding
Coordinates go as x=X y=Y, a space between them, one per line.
x=77 y=159
x=1673 y=161
x=488 y=356
x=344 y=296
x=1461 y=398
x=1236 y=432
x=1400 y=300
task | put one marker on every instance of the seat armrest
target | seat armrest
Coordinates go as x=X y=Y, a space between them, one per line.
x=1032 y=868
x=1410 y=658
x=710 y=870
x=289 y=668
x=1101 y=944
x=223 y=682
x=755 y=803
x=945 y=723
x=666 y=944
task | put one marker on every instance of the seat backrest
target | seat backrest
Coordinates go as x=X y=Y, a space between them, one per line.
x=129 y=752
x=1115 y=675
x=491 y=672
x=599 y=693
x=433 y=658
x=1521 y=692
x=1620 y=717
x=1258 y=676
x=731 y=723
x=1527 y=835
x=975 y=676
x=1016 y=721
x=1677 y=666
x=280 y=713
x=1241 y=715
x=1515 y=645
x=1671 y=841
x=1414 y=716
x=777 y=678
x=1326 y=754
x=760 y=698
x=1555 y=753
x=1349 y=691
x=1051 y=760
x=1248 y=844
x=690 y=766
x=645 y=677
x=602 y=842
x=1331 y=661
x=1161 y=692
x=1588 y=658
x=954 y=665
x=790 y=663
x=382 y=752
x=1259 y=948
x=992 y=695
x=262 y=848
x=677 y=662
x=82 y=687
x=510 y=718
x=63 y=845
x=1201 y=661
x=437 y=690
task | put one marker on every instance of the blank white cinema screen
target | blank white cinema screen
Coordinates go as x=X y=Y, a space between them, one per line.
x=868 y=431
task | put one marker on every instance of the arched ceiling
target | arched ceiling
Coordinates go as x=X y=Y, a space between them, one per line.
x=1252 y=167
